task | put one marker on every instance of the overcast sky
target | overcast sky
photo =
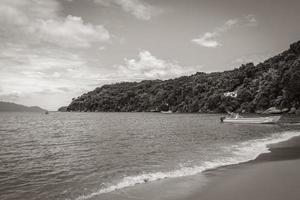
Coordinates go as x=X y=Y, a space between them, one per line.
x=54 y=50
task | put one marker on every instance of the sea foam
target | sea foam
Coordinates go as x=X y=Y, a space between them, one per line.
x=240 y=152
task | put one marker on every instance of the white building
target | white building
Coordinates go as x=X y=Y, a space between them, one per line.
x=231 y=94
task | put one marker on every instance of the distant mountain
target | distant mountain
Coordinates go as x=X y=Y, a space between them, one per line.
x=12 y=107
x=273 y=84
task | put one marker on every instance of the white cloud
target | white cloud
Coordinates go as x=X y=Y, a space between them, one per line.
x=209 y=39
x=102 y=48
x=148 y=66
x=37 y=70
x=42 y=52
x=29 y=75
x=40 y=21
x=138 y=8
x=72 y=32
x=251 y=20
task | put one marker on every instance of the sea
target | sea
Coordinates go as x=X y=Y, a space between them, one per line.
x=78 y=156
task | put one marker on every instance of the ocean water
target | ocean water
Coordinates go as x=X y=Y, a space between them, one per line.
x=83 y=155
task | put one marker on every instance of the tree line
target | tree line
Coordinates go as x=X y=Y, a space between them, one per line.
x=272 y=83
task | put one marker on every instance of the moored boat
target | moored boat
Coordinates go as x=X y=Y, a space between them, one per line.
x=251 y=120
x=167 y=112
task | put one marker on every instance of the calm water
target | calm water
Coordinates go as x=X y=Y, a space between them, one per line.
x=82 y=155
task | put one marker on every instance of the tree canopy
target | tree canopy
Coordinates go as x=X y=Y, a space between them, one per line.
x=273 y=83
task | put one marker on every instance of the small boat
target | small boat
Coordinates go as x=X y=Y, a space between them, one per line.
x=166 y=112
x=251 y=120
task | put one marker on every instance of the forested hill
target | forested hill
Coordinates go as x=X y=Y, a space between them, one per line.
x=273 y=83
x=12 y=107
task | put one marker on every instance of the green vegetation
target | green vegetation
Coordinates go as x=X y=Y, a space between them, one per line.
x=62 y=109
x=273 y=83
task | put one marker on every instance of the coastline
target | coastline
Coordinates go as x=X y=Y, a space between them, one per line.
x=285 y=117
x=272 y=175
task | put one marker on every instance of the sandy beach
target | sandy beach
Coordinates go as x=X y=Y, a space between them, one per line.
x=271 y=176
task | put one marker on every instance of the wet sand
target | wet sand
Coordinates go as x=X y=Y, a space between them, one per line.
x=271 y=176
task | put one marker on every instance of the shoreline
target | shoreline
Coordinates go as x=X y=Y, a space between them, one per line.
x=270 y=176
x=285 y=117
x=211 y=182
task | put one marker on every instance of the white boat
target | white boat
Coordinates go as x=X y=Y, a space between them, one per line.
x=251 y=120
x=167 y=112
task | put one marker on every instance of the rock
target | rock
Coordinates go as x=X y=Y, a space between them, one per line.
x=272 y=110
x=292 y=110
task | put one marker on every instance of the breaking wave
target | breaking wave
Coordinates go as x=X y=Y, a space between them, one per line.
x=241 y=152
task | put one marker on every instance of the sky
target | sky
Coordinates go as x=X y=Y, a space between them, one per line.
x=54 y=50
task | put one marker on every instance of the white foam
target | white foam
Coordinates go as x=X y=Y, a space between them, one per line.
x=242 y=152
x=249 y=150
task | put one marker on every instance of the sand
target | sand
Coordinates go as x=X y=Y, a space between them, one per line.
x=271 y=176
x=262 y=181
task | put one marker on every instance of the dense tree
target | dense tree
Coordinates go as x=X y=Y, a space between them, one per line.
x=275 y=82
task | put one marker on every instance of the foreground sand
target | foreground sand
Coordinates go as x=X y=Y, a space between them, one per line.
x=272 y=176
x=264 y=181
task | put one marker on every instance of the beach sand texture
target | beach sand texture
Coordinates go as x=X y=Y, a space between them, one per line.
x=272 y=176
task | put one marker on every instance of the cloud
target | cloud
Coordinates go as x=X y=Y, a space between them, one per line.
x=209 y=39
x=102 y=48
x=43 y=53
x=12 y=97
x=29 y=75
x=147 y=66
x=40 y=22
x=141 y=10
x=37 y=70
x=250 y=20
x=71 y=32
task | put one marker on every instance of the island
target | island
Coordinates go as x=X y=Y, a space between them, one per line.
x=13 y=107
x=272 y=86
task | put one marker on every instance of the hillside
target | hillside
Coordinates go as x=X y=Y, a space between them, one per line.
x=12 y=107
x=273 y=83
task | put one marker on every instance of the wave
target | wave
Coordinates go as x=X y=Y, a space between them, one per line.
x=240 y=153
